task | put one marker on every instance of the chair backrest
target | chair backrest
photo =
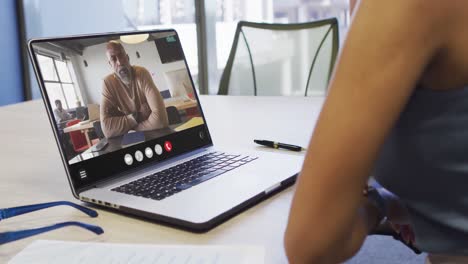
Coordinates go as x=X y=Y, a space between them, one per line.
x=78 y=139
x=82 y=113
x=173 y=115
x=166 y=94
x=98 y=129
x=281 y=59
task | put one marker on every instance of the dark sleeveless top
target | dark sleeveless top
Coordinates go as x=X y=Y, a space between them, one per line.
x=424 y=161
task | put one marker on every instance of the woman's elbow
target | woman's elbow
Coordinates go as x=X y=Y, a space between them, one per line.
x=298 y=250
x=302 y=249
x=291 y=250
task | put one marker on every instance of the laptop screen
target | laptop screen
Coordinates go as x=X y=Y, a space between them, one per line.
x=119 y=101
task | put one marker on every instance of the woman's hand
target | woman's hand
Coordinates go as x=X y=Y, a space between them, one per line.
x=397 y=215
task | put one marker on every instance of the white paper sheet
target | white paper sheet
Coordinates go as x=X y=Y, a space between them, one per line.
x=50 y=252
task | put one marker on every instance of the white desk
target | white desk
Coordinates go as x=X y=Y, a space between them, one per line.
x=32 y=172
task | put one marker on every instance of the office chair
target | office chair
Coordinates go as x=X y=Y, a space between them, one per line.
x=98 y=129
x=166 y=94
x=77 y=138
x=82 y=113
x=173 y=115
x=281 y=59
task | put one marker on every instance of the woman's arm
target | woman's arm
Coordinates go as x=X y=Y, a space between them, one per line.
x=389 y=45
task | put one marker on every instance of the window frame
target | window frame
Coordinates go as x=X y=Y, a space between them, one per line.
x=60 y=82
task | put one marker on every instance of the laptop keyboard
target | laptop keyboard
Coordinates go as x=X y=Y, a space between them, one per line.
x=183 y=176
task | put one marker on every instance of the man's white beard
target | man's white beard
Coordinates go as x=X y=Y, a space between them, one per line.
x=125 y=77
x=125 y=80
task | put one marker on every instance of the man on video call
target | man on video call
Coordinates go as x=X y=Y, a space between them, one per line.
x=61 y=115
x=130 y=99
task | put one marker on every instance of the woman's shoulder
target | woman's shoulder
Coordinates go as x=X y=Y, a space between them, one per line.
x=429 y=24
x=422 y=13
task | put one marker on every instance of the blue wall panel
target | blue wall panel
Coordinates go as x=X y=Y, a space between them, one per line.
x=11 y=84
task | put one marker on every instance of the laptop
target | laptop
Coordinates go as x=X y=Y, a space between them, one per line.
x=176 y=176
x=93 y=112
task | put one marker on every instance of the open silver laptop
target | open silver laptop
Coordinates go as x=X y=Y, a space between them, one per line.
x=160 y=161
x=93 y=112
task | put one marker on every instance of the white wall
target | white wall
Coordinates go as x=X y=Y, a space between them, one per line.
x=98 y=68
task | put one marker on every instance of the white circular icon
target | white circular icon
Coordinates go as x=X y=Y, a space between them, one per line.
x=158 y=149
x=138 y=156
x=128 y=159
x=149 y=153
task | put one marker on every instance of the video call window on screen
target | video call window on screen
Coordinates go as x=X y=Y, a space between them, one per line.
x=109 y=93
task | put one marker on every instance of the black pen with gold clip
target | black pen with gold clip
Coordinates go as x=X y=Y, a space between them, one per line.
x=278 y=145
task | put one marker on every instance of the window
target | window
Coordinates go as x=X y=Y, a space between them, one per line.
x=58 y=81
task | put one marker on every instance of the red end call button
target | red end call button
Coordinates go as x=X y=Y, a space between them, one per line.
x=168 y=146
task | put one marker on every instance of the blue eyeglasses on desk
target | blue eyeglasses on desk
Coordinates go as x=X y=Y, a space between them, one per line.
x=7 y=237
